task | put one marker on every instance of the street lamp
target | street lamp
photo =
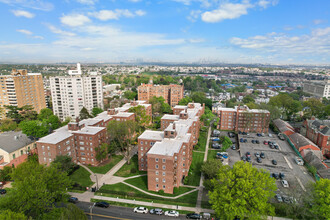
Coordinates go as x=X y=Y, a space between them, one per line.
x=97 y=182
x=91 y=211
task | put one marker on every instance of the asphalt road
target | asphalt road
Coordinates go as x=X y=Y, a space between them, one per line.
x=116 y=212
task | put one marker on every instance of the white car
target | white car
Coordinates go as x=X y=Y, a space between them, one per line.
x=172 y=213
x=270 y=135
x=285 y=183
x=141 y=210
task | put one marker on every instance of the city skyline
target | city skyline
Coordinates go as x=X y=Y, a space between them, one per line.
x=233 y=31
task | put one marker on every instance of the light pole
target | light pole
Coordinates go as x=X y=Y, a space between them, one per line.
x=97 y=182
x=91 y=210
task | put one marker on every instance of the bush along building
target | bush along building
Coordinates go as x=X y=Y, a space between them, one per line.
x=242 y=119
x=79 y=139
x=166 y=155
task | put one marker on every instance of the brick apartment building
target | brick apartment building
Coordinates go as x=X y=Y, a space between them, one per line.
x=166 y=155
x=79 y=139
x=243 y=119
x=171 y=93
x=318 y=131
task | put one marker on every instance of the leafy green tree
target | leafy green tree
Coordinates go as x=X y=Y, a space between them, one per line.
x=286 y=104
x=130 y=95
x=210 y=168
x=315 y=107
x=199 y=97
x=226 y=143
x=7 y=125
x=28 y=113
x=13 y=113
x=84 y=114
x=70 y=211
x=10 y=215
x=53 y=121
x=101 y=152
x=121 y=135
x=273 y=110
x=36 y=189
x=207 y=117
x=5 y=173
x=36 y=129
x=185 y=101
x=248 y=99
x=64 y=163
x=242 y=191
x=252 y=105
x=96 y=111
x=159 y=106
x=45 y=113
x=141 y=117
x=321 y=199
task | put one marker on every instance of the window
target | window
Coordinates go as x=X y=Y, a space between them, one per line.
x=49 y=154
x=164 y=167
x=142 y=164
x=157 y=172
x=157 y=180
x=47 y=147
x=81 y=143
x=141 y=148
x=14 y=156
x=164 y=180
x=21 y=152
x=164 y=187
x=183 y=164
x=82 y=148
x=45 y=159
x=151 y=143
x=184 y=153
x=141 y=142
x=156 y=166
x=141 y=159
x=164 y=173
x=156 y=185
x=164 y=160
x=157 y=159
x=141 y=154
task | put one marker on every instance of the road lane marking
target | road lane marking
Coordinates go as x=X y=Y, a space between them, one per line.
x=287 y=161
x=106 y=216
x=302 y=186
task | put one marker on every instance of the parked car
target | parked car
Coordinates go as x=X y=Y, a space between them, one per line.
x=270 y=135
x=206 y=215
x=274 y=162
x=271 y=146
x=257 y=154
x=244 y=133
x=285 y=183
x=258 y=134
x=248 y=154
x=262 y=134
x=3 y=191
x=299 y=161
x=282 y=175
x=286 y=199
x=245 y=141
x=244 y=158
x=141 y=210
x=276 y=146
x=215 y=139
x=248 y=159
x=257 y=142
x=253 y=141
x=73 y=199
x=216 y=146
x=172 y=213
x=233 y=147
x=156 y=211
x=266 y=142
x=262 y=155
x=259 y=160
x=275 y=175
x=102 y=204
x=241 y=140
x=279 y=198
x=193 y=216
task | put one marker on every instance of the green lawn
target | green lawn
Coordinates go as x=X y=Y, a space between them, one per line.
x=125 y=171
x=104 y=169
x=81 y=177
x=212 y=153
x=194 y=175
x=142 y=183
x=200 y=146
x=121 y=190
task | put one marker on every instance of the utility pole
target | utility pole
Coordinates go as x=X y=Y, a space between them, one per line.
x=91 y=211
x=97 y=182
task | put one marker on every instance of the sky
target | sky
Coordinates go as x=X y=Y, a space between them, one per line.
x=228 y=31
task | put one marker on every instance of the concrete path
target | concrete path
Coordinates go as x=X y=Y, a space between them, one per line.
x=165 y=197
x=201 y=187
x=94 y=176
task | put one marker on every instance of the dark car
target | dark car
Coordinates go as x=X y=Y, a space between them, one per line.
x=275 y=175
x=156 y=211
x=248 y=159
x=274 y=162
x=262 y=155
x=271 y=146
x=244 y=133
x=3 y=191
x=276 y=146
x=253 y=141
x=282 y=175
x=102 y=204
x=244 y=158
x=193 y=216
x=258 y=134
x=259 y=160
x=241 y=140
x=73 y=199
x=257 y=142
x=245 y=140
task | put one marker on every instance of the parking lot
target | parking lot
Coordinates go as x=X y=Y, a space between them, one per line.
x=297 y=176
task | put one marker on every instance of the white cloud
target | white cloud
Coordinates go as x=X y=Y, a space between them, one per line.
x=194 y=15
x=34 y=4
x=204 y=3
x=22 y=13
x=318 y=21
x=196 y=40
x=134 y=1
x=74 y=20
x=316 y=42
x=24 y=31
x=87 y=2
x=105 y=15
x=266 y=3
x=226 y=11
x=59 y=31
x=39 y=37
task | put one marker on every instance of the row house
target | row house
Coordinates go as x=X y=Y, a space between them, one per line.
x=243 y=119
x=166 y=155
x=318 y=131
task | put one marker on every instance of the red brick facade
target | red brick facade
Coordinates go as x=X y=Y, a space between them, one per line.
x=318 y=132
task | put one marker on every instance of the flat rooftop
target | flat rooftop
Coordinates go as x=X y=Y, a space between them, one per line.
x=55 y=137
x=168 y=147
x=152 y=135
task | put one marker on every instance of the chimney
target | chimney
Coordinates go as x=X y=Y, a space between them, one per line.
x=111 y=111
x=174 y=126
x=77 y=119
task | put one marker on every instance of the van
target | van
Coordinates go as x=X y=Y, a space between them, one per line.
x=206 y=215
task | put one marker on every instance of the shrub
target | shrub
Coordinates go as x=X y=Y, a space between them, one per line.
x=133 y=170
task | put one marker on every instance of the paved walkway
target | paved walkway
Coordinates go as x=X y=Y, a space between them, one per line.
x=201 y=187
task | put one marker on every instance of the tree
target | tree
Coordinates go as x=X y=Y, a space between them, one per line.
x=84 y=114
x=315 y=107
x=53 y=121
x=207 y=117
x=64 y=163
x=321 y=199
x=226 y=143
x=248 y=99
x=9 y=215
x=45 y=113
x=159 y=105
x=286 y=104
x=96 y=111
x=101 y=152
x=7 y=125
x=252 y=105
x=200 y=97
x=242 y=191
x=71 y=211
x=28 y=113
x=5 y=173
x=122 y=133
x=130 y=95
x=210 y=168
x=185 y=101
x=36 y=189
x=141 y=117
x=13 y=113
x=35 y=129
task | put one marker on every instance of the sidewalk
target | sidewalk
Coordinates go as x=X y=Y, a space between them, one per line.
x=201 y=187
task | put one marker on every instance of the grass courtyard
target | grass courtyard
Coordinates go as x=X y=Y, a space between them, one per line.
x=194 y=174
x=105 y=168
x=201 y=145
x=126 y=170
x=82 y=177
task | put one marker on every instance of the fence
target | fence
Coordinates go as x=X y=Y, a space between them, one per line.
x=309 y=167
